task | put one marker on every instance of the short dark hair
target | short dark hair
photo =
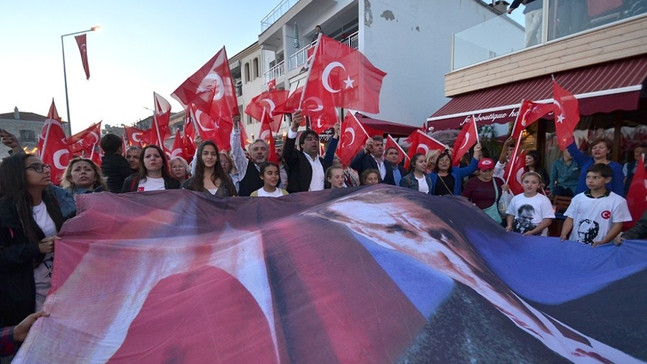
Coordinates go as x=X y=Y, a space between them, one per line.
x=597 y=141
x=305 y=134
x=603 y=169
x=110 y=143
x=364 y=175
x=267 y=164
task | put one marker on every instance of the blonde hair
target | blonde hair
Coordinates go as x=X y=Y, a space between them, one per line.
x=531 y=173
x=66 y=178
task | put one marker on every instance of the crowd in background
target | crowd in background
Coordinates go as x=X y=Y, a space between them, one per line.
x=33 y=207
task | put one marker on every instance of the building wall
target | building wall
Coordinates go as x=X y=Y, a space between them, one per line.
x=29 y=128
x=411 y=41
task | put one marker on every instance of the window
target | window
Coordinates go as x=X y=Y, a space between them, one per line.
x=256 y=74
x=27 y=136
x=247 y=72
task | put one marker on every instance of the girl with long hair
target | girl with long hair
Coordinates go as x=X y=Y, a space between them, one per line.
x=82 y=175
x=209 y=175
x=417 y=179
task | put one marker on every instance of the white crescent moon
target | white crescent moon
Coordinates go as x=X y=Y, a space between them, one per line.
x=264 y=135
x=96 y=137
x=352 y=134
x=57 y=158
x=423 y=147
x=176 y=152
x=467 y=139
x=271 y=104
x=326 y=74
x=316 y=101
x=137 y=137
x=519 y=174
x=212 y=81
x=198 y=116
x=220 y=88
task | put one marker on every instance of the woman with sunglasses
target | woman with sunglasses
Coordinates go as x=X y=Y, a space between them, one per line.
x=30 y=218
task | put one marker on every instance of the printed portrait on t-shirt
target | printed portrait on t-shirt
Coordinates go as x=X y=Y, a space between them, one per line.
x=523 y=220
x=587 y=230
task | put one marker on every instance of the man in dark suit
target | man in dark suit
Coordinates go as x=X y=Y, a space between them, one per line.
x=372 y=157
x=391 y=155
x=306 y=169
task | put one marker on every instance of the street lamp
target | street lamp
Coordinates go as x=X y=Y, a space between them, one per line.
x=67 y=102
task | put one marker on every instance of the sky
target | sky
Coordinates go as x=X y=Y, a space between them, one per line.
x=143 y=46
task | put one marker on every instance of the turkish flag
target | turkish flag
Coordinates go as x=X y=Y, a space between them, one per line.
x=266 y=134
x=134 y=136
x=188 y=138
x=422 y=143
x=637 y=194
x=514 y=170
x=81 y=41
x=86 y=139
x=466 y=139
x=208 y=129
x=567 y=115
x=345 y=74
x=211 y=89
x=52 y=145
x=320 y=109
x=243 y=135
x=391 y=143
x=267 y=102
x=529 y=112
x=177 y=150
x=353 y=138
x=161 y=118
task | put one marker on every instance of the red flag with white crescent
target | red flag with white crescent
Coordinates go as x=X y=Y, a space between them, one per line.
x=81 y=41
x=567 y=115
x=52 y=145
x=353 y=137
x=346 y=75
x=134 y=136
x=514 y=170
x=529 y=112
x=391 y=143
x=266 y=134
x=422 y=143
x=85 y=139
x=466 y=139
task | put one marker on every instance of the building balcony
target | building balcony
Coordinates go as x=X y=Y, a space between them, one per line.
x=276 y=13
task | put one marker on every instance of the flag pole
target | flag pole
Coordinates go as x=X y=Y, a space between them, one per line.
x=49 y=126
x=514 y=157
x=476 y=130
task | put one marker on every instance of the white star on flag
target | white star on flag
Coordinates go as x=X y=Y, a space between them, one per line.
x=560 y=118
x=349 y=82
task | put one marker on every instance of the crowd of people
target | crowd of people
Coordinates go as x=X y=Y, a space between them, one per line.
x=33 y=208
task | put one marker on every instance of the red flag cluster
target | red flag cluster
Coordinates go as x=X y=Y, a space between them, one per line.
x=466 y=139
x=422 y=143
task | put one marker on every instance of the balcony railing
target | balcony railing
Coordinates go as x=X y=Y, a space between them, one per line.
x=300 y=57
x=275 y=72
x=276 y=13
x=501 y=35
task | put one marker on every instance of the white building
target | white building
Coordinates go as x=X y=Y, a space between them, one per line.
x=26 y=126
x=408 y=39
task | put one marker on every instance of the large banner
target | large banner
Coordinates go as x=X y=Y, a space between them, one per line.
x=363 y=275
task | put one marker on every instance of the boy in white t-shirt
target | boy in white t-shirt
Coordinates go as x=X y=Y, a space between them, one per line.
x=596 y=216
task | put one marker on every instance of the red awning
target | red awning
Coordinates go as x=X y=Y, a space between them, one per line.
x=386 y=127
x=600 y=88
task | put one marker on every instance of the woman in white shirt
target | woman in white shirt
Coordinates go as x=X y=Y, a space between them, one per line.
x=417 y=179
x=153 y=173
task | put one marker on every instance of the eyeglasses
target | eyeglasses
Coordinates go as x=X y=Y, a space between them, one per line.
x=38 y=167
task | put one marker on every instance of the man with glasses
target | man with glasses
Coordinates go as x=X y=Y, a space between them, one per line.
x=306 y=169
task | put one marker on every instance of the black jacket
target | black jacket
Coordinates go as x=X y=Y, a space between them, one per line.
x=364 y=161
x=17 y=259
x=299 y=168
x=116 y=169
